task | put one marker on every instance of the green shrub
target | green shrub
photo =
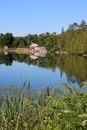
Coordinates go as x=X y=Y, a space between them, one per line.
x=64 y=110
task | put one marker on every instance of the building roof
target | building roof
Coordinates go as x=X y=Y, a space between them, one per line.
x=33 y=45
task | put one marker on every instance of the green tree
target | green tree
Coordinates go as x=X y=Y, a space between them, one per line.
x=82 y=24
x=62 y=31
x=19 y=42
x=75 y=26
x=6 y=39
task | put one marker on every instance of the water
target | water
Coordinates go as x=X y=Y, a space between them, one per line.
x=49 y=71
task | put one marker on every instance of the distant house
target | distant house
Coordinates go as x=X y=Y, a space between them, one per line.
x=37 y=51
x=33 y=45
x=34 y=48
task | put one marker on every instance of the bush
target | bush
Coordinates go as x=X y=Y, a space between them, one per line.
x=64 y=110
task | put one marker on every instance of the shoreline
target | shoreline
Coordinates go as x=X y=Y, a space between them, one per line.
x=26 y=50
x=15 y=50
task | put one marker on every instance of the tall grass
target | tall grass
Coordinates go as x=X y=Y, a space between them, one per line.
x=21 y=108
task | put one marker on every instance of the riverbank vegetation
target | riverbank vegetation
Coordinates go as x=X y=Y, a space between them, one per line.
x=65 y=108
x=73 y=40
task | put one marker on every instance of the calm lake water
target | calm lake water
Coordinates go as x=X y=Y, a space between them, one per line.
x=50 y=71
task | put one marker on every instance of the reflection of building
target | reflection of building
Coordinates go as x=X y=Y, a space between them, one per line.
x=37 y=51
x=33 y=57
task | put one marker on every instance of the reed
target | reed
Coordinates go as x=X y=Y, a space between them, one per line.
x=21 y=108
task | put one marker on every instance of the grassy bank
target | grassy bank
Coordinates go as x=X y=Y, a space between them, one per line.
x=15 y=50
x=22 y=109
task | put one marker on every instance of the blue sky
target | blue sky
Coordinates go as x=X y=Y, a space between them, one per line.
x=23 y=17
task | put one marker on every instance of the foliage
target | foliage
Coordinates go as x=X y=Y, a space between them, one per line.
x=6 y=40
x=73 y=40
x=65 y=109
x=6 y=59
x=19 y=42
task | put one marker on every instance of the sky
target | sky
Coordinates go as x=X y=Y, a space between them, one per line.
x=23 y=17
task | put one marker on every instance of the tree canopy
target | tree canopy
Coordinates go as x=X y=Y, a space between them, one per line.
x=73 y=40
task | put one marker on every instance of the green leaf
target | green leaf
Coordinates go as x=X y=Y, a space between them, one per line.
x=66 y=87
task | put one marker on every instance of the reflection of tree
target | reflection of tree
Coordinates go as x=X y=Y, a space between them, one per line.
x=6 y=59
x=72 y=79
x=75 y=67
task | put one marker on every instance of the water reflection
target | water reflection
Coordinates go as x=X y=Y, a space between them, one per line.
x=70 y=69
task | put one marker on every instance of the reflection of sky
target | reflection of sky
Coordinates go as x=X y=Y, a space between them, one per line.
x=39 y=77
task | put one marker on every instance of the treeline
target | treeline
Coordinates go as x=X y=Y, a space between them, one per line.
x=73 y=40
